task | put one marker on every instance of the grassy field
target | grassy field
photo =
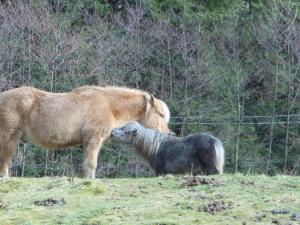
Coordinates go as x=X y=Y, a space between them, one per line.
x=227 y=199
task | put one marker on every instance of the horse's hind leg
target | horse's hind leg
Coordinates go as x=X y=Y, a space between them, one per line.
x=91 y=151
x=209 y=168
x=7 y=150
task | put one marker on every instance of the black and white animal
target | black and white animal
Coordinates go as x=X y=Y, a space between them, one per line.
x=196 y=153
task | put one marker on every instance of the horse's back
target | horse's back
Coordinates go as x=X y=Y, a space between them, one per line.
x=43 y=118
x=17 y=101
x=16 y=96
x=200 y=140
x=109 y=90
x=15 y=105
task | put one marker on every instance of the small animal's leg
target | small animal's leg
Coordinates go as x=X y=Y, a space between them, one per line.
x=209 y=169
x=91 y=151
x=213 y=170
x=158 y=164
x=160 y=172
x=7 y=150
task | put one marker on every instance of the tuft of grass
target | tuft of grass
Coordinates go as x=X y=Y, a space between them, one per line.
x=8 y=185
x=159 y=200
x=88 y=187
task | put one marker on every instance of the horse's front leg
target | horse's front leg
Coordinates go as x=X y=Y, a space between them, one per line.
x=6 y=152
x=91 y=151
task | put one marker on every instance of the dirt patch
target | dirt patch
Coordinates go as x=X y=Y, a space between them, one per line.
x=216 y=206
x=193 y=181
x=50 y=202
x=275 y=221
x=279 y=211
x=2 y=204
x=247 y=183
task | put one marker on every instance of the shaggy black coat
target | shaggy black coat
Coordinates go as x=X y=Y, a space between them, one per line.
x=193 y=153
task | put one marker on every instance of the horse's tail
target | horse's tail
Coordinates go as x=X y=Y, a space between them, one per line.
x=220 y=155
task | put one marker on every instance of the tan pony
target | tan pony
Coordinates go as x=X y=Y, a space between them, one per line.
x=85 y=115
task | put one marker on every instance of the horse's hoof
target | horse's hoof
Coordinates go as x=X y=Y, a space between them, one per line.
x=3 y=177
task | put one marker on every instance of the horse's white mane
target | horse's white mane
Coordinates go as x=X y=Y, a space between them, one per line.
x=148 y=141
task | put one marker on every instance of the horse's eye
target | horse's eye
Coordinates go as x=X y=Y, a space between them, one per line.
x=162 y=115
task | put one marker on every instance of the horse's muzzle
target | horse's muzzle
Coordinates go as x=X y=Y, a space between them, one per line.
x=116 y=132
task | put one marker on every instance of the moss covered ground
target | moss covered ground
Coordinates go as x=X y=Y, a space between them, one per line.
x=227 y=199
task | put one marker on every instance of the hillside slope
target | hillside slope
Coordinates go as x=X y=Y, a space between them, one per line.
x=228 y=199
x=226 y=67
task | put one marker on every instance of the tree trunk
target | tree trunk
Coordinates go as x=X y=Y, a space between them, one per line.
x=273 y=118
x=288 y=114
x=170 y=72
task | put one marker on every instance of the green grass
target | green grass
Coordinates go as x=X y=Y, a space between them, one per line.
x=159 y=200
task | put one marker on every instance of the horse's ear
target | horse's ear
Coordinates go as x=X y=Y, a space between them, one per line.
x=152 y=99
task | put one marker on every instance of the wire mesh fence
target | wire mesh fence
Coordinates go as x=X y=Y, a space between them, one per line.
x=121 y=161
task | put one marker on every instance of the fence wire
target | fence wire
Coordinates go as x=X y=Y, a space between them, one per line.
x=119 y=161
